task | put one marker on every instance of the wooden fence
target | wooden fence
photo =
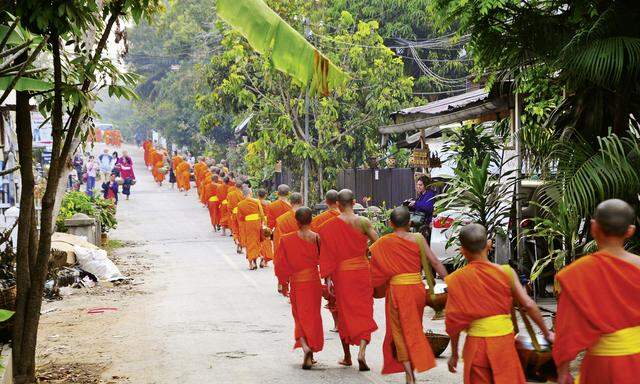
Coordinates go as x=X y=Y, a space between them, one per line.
x=388 y=187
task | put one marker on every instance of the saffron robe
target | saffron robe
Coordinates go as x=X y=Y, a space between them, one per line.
x=276 y=209
x=158 y=162
x=343 y=256
x=266 y=246
x=224 y=208
x=208 y=178
x=234 y=196
x=285 y=224
x=404 y=338
x=479 y=290
x=252 y=228
x=599 y=294
x=296 y=263
x=322 y=218
x=183 y=175
x=146 y=145
x=199 y=170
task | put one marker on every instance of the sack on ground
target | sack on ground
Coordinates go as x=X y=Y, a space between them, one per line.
x=96 y=262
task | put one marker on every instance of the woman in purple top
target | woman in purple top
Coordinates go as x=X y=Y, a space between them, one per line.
x=424 y=203
x=125 y=167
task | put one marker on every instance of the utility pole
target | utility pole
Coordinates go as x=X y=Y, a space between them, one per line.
x=305 y=193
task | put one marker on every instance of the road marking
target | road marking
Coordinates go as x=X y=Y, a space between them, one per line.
x=237 y=268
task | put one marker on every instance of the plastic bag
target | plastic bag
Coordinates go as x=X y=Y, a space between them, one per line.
x=96 y=262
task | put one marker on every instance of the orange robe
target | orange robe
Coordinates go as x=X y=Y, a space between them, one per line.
x=480 y=290
x=234 y=197
x=250 y=216
x=284 y=225
x=599 y=294
x=199 y=170
x=276 y=209
x=183 y=175
x=404 y=338
x=297 y=264
x=266 y=246
x=175 y=161
x=322 y=218
x=158 y=162
x=208 y=178
x=146 y=145
x=343 y=256
x=224 y=204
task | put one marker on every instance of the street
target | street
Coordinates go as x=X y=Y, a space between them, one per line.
x=194 y=313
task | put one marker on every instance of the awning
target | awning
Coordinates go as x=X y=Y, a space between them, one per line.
x=470 y=105
x=240 y=128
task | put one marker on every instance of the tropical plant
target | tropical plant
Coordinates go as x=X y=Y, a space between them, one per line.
x=468 y=142
x=583 y=178
x=476 y=195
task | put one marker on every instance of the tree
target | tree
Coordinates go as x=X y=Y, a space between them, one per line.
x=590 y=48
x=342 y=125
x=77 y=33
x=168 y=52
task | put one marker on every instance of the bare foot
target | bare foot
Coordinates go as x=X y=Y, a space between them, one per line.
x=308 y=360
x=362 y=364
x=345 y=362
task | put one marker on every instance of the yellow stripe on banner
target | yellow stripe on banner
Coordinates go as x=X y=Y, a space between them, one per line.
x=214 y=198
x=406 y=279
x=492 y=326
x=619 y=343
x=235 y=211
x=252 y=217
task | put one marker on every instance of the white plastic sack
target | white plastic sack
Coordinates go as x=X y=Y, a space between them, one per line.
x=96 y=262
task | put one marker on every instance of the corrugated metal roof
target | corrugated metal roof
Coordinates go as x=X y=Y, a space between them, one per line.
x=446 y=104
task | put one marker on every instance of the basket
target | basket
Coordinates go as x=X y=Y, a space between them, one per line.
x=8 y=298
x=438 y=342
x=437 y=301
x=534 y=353
x=7 y=301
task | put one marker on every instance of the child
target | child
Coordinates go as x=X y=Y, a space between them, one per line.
x=110 y=189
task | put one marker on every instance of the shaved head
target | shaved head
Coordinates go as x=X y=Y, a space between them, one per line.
x=345 y=198
x=246 y=191
x=225 y=179
x=239 y=183
x=303 y=216
x=331 y=197
x=283 y=190
x=262 y=193
x=473 y=237
x=296 y=198
x=215 y=178
x=614 y=217
x=400 y=217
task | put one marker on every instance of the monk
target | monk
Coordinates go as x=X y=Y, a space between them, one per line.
x=331 y=199
x=296 y=264
x=344 y=265
x=199 y=170
x=251 y=216
x=480 y=299
x=146 y=145
x=234 y=196
x=279 y=207
x=222 y=191
x=183 y=176
x=286 y=223
x=599 y=304
x=266 y=245
x=158 y=165
x=396 y=262
x=175 y=161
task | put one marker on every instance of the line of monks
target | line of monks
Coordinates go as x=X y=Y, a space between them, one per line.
x=598 y=307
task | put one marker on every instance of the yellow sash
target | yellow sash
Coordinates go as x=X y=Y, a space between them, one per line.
x=214 y=198
x=492 y=326
x=225 y=202
x=406 y=279
x=235 y=211
x=623 y=342
x=306 y=275
x=252 y=217
x=353 y=264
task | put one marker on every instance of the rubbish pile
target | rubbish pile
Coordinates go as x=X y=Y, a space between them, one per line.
x=77 y=263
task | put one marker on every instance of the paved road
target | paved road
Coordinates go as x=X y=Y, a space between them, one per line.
x=206 y=318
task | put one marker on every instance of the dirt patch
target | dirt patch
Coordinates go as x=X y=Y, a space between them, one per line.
x=80 y=373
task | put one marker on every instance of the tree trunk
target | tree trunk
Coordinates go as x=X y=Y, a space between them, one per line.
x=23 y=361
